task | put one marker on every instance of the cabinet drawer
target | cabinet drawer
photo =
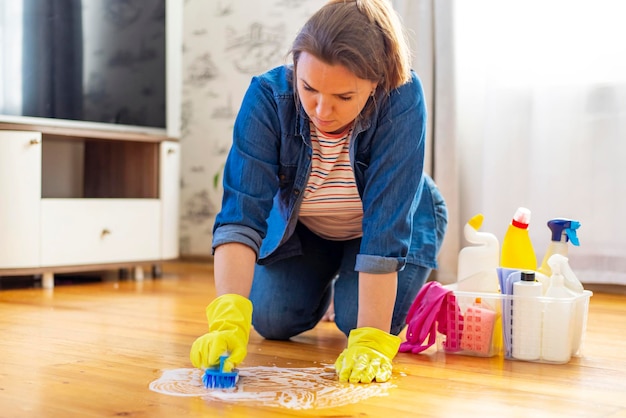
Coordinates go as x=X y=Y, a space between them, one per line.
x=91 y=231
x=20 y=193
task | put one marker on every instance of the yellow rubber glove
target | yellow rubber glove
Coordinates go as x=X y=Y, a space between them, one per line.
x=230 y=320
x=368 y=356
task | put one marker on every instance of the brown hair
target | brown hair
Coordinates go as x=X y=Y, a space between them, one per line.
x=365 y=36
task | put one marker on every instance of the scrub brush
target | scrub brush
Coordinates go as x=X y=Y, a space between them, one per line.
x=217 y=378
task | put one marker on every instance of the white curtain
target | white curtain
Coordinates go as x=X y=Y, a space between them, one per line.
x=541 y=90
x=428 y=24
x=537 y=115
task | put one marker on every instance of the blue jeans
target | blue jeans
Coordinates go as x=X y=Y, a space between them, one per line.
x=290 y=296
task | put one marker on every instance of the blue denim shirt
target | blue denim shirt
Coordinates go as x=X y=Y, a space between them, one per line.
x=269 y=163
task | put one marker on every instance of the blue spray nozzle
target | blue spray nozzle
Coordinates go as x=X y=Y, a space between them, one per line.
x=562 y=227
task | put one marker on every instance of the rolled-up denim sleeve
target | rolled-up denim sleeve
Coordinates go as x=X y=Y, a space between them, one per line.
x=237 y=233
x=378 y=265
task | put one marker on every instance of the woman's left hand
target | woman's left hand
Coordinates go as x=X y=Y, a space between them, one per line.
x=368 y=356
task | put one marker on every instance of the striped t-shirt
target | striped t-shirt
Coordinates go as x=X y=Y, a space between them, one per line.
x=332 y=206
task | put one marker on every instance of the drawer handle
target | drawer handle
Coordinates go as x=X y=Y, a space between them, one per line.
x=105 y=232
x=34 y=141
x=171 y=151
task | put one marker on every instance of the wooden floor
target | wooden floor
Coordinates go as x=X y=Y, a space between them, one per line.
x=94 y=349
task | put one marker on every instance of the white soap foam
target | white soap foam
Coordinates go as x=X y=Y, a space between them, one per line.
x=292 y=388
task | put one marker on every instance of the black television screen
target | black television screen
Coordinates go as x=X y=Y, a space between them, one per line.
x=100 y=61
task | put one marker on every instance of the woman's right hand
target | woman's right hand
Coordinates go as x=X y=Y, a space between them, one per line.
x=230 y=320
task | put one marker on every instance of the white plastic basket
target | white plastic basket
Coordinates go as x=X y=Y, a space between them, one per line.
x=549 y=330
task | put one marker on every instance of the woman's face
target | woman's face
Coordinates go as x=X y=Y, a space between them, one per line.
x=331 y=95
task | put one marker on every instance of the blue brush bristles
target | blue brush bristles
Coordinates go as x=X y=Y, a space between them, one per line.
x=217 y=378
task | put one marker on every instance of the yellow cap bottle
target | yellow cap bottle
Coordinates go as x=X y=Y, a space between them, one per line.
x=517 y=249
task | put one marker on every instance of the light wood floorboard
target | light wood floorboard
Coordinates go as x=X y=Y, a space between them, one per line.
x=92 y=350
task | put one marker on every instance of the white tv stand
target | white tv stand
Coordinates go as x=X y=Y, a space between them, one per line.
x=78 y=200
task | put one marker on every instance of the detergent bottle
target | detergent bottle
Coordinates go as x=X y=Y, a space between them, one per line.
x=517 y=248
x=526 y=317
x=563 y=231
x=477 y=265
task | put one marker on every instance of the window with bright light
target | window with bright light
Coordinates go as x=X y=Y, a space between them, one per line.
x=11 y=56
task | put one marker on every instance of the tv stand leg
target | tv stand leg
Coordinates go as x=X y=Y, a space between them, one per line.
x=157 y=271
x=47 y=280
x=138 y=273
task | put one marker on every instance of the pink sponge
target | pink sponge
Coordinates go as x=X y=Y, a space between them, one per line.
x=477 y=330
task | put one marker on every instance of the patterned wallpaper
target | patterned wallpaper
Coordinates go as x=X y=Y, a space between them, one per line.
x=226 y=42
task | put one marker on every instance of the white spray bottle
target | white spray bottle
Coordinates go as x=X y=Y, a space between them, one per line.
x=558 y=312
x=580 y=306
x=477 y=265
